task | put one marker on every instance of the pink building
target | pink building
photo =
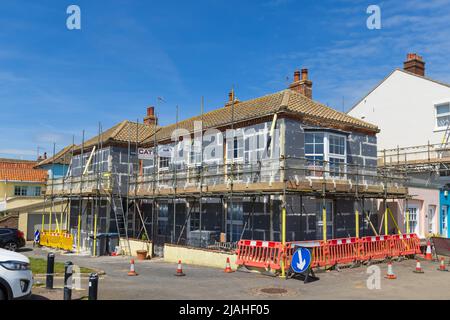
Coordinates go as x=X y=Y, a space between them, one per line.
x=424 y=212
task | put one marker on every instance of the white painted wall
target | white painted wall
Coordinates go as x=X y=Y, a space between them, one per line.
x=403 y=107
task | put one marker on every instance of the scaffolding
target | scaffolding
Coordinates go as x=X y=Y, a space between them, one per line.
x=276 y=182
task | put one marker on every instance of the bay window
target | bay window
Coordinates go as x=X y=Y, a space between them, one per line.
x=328 y=147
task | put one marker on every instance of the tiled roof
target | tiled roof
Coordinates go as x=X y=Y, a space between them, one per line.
x=62 y=157
x=18 y=170
x=287 y=101
x=122 y=132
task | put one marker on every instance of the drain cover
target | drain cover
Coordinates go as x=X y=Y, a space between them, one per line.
x=274 y=291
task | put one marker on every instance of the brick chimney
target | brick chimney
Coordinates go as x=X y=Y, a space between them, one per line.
x=415 y=64
x=301 y=83
x=151 y=119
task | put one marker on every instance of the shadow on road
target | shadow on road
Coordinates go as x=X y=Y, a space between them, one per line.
x=37 y=297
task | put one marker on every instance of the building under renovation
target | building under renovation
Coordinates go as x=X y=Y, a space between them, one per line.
x=229 y=174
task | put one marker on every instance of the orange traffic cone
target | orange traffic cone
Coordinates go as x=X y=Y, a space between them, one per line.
x=428 y=255
x=179 y=270
x=132 y=272
x=418 y=268
x=390 y=274
x=442 y=265
x=228 y=267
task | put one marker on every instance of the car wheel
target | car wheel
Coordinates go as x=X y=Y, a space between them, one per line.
x=2 y=295
x=11 y=246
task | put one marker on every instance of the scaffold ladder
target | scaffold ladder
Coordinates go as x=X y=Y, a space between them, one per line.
x=122 y=221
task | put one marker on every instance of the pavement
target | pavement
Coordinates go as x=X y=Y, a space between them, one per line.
x=156 y=280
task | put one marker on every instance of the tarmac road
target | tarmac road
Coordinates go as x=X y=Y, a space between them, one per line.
x=156 y=280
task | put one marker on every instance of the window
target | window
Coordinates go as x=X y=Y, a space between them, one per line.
x=324 y=146
x=255 y=146
x=24 y=191
x=337 y=167
x=444 y=220
x=337 y=155
x=431 y=217
x=237 y=148
x=314 y=148
x=164 y=162
x=442 y=116
x=337 y=145
x=196 y=152
x=37 y=191
x=413 y=224
x=20 y=191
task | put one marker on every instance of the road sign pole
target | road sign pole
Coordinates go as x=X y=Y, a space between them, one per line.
x=301 y=265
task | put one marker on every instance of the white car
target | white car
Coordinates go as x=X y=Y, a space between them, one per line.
x=16 y=278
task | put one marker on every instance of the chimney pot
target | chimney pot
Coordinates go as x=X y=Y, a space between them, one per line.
x=296 y=76
x=304 y=74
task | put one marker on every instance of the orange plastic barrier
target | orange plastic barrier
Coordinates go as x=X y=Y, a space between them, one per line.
x=265 y=254
x=342 y=251
x=404 y=245
x=260 y=254
x=375 y=247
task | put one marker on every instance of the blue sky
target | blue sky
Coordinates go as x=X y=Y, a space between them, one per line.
x=54 y=82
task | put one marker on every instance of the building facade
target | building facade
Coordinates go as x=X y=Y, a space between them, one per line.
x=20 y=185
x=230 y=174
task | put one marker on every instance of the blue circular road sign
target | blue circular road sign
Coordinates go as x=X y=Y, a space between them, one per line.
x=301 y=260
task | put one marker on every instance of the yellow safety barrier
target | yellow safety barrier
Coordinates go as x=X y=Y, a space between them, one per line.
x=57 y=240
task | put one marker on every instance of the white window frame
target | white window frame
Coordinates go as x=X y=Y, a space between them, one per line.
x=195 y=158
x=444 y=220
x=219 y=137
x=163 y=168
x=415 y=230
x=261 y=135
x=436 y=115
x=326 y=151
x=431 y=220
x=239 y=135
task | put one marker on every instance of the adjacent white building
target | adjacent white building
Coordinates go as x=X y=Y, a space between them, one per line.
x=413 y=114
x=409 y=108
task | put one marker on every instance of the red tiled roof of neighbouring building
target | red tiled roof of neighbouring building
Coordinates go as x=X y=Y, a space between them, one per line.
x=21 y=170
